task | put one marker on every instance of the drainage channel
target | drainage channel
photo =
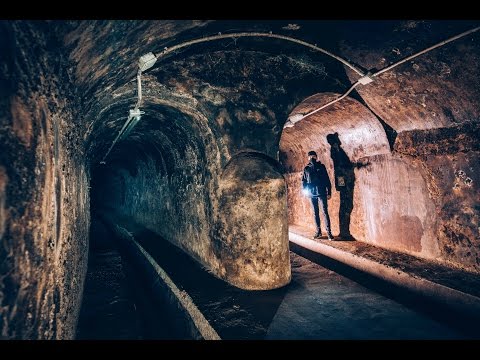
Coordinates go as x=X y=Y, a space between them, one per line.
x=232 y=313
x=117 y=304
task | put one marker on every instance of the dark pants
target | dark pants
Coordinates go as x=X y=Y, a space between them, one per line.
x=323 y=204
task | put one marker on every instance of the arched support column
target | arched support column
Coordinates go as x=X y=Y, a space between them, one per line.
x=252 y=229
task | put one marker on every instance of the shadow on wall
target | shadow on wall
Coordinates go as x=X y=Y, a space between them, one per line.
x=344 y=175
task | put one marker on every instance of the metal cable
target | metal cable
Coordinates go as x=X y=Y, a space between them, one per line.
x=390 y=67
x=258 y=34
x=426 y=50
x=129 y=123
x=331 y=102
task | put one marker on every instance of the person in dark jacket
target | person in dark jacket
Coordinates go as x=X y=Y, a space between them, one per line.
x=316 y=185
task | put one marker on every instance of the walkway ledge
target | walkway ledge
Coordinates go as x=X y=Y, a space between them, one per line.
x=462 y=302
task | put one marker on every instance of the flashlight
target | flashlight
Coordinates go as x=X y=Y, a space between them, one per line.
x=306 y=192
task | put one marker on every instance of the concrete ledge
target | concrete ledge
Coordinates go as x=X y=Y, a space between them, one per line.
x=188 y=319
x=455 y=299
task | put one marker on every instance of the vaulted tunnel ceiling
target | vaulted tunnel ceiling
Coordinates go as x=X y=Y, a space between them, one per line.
x=235 y=83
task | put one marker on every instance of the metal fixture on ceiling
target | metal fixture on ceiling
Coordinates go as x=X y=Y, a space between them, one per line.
x=134 y=115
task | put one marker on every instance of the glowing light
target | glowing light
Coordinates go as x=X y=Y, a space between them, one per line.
x=306 y=192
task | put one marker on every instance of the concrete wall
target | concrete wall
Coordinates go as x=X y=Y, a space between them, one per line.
x=398 y=213
x=44 y=197
x=448 y=161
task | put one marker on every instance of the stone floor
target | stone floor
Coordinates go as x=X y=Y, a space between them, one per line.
x=321 y=304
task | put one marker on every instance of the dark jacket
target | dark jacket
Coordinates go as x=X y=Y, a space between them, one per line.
x=315 y=178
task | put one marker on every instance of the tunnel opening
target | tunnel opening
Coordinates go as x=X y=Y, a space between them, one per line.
x=145 y=184
x=378 y=195
x=147 y=179
x=347 y=137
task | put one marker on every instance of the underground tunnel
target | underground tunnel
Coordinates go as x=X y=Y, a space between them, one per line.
x=151 y=177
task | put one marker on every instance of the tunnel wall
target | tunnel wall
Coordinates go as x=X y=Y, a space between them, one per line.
x=175 y=207
x=44 y=207
x=448 y=160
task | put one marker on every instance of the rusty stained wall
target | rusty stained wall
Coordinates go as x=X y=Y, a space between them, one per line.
x=398 y=213
x=434 y=90
x=44 y=207
x=456 y=178
x=448 y=160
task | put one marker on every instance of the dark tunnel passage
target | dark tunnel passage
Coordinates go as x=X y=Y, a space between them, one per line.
x=165 y=165
x=165 y=176
x=210 y=173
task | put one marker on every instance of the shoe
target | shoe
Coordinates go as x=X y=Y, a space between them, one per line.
x=330 y=237
x=317 y=235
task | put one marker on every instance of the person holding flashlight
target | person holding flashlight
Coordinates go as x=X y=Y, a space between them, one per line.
x=316 y=185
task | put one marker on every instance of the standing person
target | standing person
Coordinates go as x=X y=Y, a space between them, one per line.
x=316 y=185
